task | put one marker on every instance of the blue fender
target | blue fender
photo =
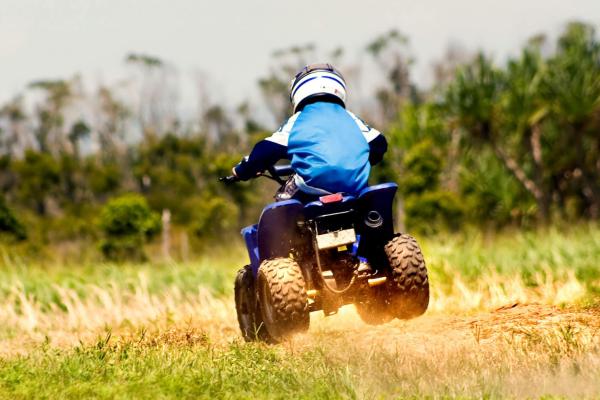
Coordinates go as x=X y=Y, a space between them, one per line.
x=379 y=198
x=274 y=233
x=316 y=208
x=277 y=228
x=250 y=235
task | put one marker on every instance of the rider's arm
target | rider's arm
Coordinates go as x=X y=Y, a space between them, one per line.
x=377 y=143
x=377 y=148
x=266 y=152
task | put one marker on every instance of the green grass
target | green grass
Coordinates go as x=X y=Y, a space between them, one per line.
x=556 y=364
x=40 y=281
x=174 y=371
x=531 y=255
x=172 y=340
x=474 y=253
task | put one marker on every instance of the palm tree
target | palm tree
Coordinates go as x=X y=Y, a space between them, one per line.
x=572 y=90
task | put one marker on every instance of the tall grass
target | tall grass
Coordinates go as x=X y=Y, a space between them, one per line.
x=506 y=310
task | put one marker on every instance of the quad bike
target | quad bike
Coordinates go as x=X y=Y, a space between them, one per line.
x=337 y=250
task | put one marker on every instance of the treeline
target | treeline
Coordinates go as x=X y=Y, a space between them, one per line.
x=490 y=144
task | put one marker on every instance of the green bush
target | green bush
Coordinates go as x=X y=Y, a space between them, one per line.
x=9 y=223
x=428 y=208
x=421 y=167
x=214 y=216
x=127 y=222
x=430 y=211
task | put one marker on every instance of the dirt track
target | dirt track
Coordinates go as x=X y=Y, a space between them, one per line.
x=511 y=320
x=522 y=351
x=503 y=350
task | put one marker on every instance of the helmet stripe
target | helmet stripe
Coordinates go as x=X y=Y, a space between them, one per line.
x=315 y=77
x=334 y=79
x=301 y=84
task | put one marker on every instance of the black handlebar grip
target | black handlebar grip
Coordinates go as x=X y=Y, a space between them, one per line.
x=229 y=179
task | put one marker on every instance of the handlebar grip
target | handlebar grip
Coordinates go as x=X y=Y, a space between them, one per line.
x=229 y=179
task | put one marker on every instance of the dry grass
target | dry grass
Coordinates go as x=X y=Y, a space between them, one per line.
x=495 y=335
x=74 y=318
x=108 y=308
x=518 y=351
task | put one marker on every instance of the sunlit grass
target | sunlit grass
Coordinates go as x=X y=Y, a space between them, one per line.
x=505 y=311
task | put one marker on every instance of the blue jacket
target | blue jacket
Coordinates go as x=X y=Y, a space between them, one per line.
x=329 y=147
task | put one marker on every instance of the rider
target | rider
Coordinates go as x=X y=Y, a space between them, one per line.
x=331 y=150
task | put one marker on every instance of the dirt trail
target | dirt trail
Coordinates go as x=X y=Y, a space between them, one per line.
x=505 y=324
x=516 y=351
x=215 y=319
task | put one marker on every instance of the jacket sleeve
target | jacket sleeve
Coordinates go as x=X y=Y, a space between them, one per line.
x=377 y=148
x=266 y=152
x=377 y=142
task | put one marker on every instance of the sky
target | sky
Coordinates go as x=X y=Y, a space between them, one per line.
x=232 y=42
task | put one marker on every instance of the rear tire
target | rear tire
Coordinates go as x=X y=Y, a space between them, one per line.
x=410 y=283
x=282 y=298
x=246 y=307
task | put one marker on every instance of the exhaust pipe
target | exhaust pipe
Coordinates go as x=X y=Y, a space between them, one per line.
x=377 y=281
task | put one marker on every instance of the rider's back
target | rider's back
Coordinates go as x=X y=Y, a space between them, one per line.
x=328 y=149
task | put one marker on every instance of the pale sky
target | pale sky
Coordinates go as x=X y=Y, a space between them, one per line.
x=232 y=41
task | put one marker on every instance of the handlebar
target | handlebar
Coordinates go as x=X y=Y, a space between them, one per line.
x=229 y=179
x=276 y=172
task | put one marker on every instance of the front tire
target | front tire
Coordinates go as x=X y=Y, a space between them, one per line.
x=410 y=283
x=246 y=307
x=282 y=297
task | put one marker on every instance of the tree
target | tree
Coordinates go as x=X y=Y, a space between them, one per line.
x=158 y=94
x=571 y=88
x=391 y=54
x=50 y=116
x=15 y=136
x=480 y=101
x=38 y=175
x=275 y=87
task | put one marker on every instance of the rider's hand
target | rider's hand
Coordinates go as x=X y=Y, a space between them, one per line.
x=231 y=178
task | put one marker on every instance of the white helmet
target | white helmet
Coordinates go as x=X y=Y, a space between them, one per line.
x=317 y=80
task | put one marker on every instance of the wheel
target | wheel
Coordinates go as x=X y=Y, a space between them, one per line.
x=410 y=284
x=246 y=307
x=282 y=297
x=375 y=310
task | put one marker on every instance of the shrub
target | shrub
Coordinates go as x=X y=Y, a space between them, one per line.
x=214 y=216
x=127 y=222
x=422 y=166
x=9 y=223
x=428 y=207
x=430 y=211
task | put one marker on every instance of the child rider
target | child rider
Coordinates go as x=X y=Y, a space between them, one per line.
x=331 y=150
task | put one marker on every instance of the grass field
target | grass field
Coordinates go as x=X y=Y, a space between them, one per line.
x=511 y=315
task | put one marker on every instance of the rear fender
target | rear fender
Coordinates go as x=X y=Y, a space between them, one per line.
x=317 y=208
x=276 y=229
x=378 y=198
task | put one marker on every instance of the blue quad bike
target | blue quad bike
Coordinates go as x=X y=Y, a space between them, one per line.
x=334 y=251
